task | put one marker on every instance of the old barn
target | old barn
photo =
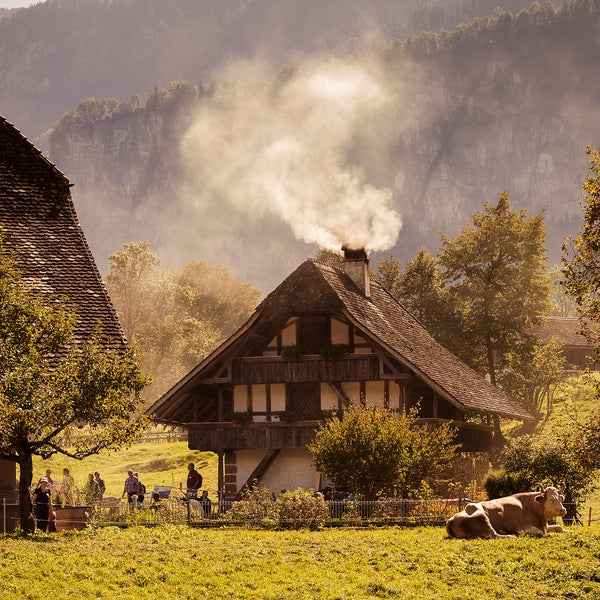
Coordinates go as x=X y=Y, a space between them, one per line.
x=38 y=221
x=324 y=338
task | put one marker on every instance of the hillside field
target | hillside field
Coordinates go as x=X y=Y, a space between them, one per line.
x=184 y=563
x=157 y=464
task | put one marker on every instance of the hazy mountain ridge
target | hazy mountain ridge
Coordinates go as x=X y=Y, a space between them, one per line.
x=504 y=104
x=59 y=52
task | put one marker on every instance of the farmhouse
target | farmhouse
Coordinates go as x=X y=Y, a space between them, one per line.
x=577 y=351
x=38 y=221
x=323 y=339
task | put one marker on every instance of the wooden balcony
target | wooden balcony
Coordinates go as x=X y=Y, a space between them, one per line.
x=231 y=436
x=306 y=369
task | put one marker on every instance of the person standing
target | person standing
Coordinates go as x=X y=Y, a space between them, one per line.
x=42 y=504
x=68 y=483
x=131 y=486
x=101 y=485
x=48 y=477
x=194 y=481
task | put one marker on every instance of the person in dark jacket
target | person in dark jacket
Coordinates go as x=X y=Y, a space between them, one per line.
x=42 y=504
x=194 y=481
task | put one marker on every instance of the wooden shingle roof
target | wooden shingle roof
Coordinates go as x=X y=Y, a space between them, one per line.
x=316 y=287
x=564 y=330
x=38 y=220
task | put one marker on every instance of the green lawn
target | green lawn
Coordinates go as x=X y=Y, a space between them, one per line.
x=414 y=563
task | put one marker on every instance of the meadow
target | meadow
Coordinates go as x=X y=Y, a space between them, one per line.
x=410 y=563
x=157 y=464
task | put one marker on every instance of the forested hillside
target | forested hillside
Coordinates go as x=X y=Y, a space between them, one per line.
x=59 y=52
x=502 y=103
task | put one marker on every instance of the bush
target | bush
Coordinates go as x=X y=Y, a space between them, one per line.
x=501 y=483
x=256 y=508
x=301 y=509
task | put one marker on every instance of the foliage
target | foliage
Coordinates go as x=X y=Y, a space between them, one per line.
x=292 y=352
x=581 y=268
x=496 y=272
x=554 y=460
x=257 y=508
x=174 y=95
x=242 y=417
x=300 y=509
x=329 y=257
x=334 y=351
x=561 y=303
x=58 y=396
x=176 y=318
x=373 y=451
x=421 y=289
x=500 y=483
x=533 y=372
x=381 y=562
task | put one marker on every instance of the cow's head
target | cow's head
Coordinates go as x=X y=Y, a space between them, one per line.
x=552 y=500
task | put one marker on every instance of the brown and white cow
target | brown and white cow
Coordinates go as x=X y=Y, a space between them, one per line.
x=527 y=512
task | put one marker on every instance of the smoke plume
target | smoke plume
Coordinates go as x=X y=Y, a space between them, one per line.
x=282 y=152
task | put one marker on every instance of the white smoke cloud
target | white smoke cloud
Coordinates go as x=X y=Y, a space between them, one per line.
x=283 y=151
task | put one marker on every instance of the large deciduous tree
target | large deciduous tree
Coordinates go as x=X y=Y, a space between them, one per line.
x=177 y=317
x=374 y=451
x=496 y=271
x=56 y=395
x=581 y=263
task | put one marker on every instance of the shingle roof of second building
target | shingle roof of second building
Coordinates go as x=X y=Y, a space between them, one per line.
x=38 y=220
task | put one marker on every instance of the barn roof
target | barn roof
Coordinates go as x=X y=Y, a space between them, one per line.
x=564 y=330
x=315 y=287
x=38 y=220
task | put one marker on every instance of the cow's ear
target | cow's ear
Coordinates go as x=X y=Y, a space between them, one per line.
x=540 y=498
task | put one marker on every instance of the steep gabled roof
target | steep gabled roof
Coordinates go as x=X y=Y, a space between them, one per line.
x=38 y=220
x=315 y=287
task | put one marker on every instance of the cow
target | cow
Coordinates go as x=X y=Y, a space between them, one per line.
x=527 y=512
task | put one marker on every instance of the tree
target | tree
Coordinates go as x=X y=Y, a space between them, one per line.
x=496 y=272
x=175 y=318
x=420 y=288
x=532 y=373
x=56 y=395
x=558 y=460
x=373 y=451
x=581 y=265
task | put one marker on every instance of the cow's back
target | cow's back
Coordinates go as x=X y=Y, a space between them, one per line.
x=512 y=514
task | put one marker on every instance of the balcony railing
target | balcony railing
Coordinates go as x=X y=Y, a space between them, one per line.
x=231 y=436
x=306 y=369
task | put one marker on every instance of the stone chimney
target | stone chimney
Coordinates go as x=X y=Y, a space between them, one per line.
x=356 y=265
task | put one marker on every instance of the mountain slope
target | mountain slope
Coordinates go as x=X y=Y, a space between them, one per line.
x=56 y=53
x=499 y=104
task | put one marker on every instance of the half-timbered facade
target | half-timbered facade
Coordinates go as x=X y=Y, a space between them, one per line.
x=323 y=339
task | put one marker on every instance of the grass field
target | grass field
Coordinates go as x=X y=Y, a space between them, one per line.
x=184 y=563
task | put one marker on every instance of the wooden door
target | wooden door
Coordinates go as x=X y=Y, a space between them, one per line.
x=304 y=400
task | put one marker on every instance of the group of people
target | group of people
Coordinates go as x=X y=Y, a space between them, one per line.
x=41 y=498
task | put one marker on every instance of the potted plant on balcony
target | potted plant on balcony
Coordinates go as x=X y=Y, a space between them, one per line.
x=292 y=352
x=333 y=351
x=242 y=418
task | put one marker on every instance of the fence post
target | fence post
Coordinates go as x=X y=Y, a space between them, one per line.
x=4 y=515
x=590 y=517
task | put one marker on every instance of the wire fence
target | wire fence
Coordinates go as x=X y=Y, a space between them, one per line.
x=337 y=513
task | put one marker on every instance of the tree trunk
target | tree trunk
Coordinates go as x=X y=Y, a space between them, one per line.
x=498 y=440
x=25 y=506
